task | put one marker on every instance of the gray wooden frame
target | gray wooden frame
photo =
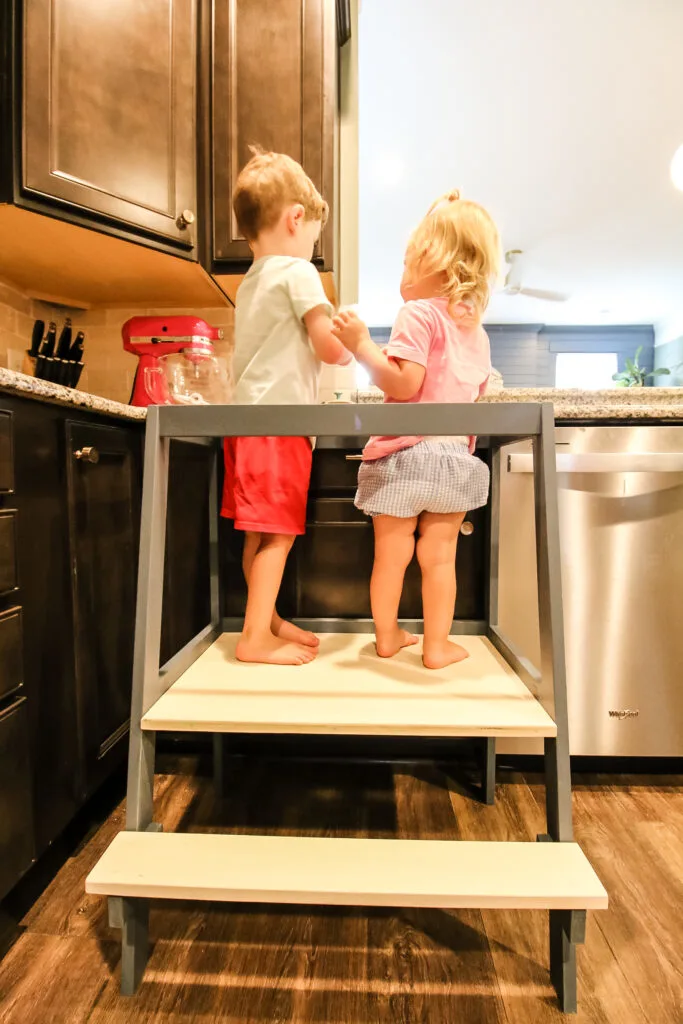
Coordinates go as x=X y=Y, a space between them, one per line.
x=206 y=424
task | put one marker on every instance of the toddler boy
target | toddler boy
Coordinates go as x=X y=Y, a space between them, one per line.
x=282 y=335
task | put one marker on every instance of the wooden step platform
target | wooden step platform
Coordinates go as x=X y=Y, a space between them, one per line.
x=349 y=690
x=347 y=872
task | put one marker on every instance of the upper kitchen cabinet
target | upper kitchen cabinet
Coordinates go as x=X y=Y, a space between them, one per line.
x=273 y=84
x=108 y=117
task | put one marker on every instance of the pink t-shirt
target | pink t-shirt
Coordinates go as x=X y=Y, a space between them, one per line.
x=454 y=352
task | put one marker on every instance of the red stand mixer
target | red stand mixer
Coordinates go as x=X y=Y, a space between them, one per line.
x=177 y=363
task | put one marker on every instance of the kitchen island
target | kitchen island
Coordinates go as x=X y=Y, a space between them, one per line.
x=654 y=404
x=665 y=404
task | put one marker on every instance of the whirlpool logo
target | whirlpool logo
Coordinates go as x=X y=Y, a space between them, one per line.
x=624 y=713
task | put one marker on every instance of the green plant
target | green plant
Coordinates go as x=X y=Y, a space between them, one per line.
x=635 y=375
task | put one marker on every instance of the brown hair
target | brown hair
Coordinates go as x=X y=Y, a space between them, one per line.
x=266 y=185
x=460 y=239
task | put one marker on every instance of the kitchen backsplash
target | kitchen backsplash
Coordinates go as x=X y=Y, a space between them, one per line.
x=108 y=370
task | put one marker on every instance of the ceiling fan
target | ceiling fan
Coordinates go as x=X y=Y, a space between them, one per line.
x=513 y=285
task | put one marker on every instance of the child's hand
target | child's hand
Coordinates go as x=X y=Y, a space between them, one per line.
x=350 y=330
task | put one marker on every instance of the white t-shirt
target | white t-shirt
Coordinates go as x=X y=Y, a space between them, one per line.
x=274 y=361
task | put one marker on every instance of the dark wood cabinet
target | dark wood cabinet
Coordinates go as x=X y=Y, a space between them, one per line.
x=103 y=474
x=44 y=574
x=328 y=572
x=273 y=85
x=109 y=111
x=134 y=119
x=67 y=632
x=16 y=818
x=187 y=598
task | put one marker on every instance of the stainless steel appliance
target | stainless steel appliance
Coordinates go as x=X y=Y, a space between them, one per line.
x=621 y=529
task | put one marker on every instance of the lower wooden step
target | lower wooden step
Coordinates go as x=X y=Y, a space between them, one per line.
x=347 y=872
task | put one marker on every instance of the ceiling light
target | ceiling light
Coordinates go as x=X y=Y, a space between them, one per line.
x=677 y=168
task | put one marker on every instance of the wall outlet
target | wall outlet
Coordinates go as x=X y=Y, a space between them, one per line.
x=15 y=359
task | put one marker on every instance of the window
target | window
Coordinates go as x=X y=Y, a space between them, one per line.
x=590 y=371
x=363 y=382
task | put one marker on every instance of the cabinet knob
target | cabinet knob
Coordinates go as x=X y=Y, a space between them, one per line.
x=467 y=528
x=185 y=219
x=87 y=455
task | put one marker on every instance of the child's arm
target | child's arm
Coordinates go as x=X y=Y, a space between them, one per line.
x=325 y=345
x=398 y=378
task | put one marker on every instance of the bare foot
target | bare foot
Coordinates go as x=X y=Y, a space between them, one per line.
x=270 y=650
x=442 y=654
x=389 y=644
x=288 y=631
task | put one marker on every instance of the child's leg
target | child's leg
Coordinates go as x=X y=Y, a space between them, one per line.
x=257 y=642
x=279 y=627
x=436 y=547
x=394 y=547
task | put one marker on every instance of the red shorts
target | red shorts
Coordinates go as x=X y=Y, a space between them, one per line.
x=266 y=483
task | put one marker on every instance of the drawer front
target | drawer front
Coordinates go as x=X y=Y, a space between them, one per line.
x=334 y=562
x=335 y=510
x=8 y=552
x=334 y=471
x=11 y=661
x=16 y=818
x=6 y=453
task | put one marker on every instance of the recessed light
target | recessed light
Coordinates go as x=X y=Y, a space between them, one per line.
x=677 y=168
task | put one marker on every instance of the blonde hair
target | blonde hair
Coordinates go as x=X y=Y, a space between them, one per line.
x=266 y=185
x=459 y=239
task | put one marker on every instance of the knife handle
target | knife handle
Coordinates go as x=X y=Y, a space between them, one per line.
x=36 y=337
x=50 y=339
x=76 y=351
x=64 y=343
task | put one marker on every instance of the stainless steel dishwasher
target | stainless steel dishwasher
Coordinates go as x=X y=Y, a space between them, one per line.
x=621 y=535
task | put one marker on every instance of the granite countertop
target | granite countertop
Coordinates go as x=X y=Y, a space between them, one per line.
x=574 y=404
x=615 y=404
x=44 y=391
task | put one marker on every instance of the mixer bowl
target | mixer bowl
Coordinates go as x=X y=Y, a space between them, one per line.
x=194 y=377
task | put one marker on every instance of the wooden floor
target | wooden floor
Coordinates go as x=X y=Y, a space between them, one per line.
x=253 y=964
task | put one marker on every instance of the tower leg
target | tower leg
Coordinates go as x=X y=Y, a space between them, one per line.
x=489 y=778
x=134 y=913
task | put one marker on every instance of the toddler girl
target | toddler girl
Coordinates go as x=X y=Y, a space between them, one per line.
x=438 y=352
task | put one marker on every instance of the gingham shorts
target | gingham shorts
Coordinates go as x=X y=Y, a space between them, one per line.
x=431 y=476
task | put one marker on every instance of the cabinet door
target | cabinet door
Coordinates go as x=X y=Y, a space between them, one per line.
x=274 y=81
x=104 y=526
x=16 y=817
x=187 y=596
x=109 y=113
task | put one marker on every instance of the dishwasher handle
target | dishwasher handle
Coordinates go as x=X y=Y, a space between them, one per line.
x=605 y=462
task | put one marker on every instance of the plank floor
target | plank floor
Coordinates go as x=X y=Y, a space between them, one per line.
x=481 y=696
x=218 y=963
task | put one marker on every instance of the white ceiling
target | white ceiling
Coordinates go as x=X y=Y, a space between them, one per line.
x=561 y=118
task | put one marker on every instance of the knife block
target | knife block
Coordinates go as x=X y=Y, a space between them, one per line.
x=28 y=366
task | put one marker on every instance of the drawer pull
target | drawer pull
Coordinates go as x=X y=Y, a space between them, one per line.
x=11 y=708
x=467 y=528
x=354 y=458
x=185 y=219
x=87 y=455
